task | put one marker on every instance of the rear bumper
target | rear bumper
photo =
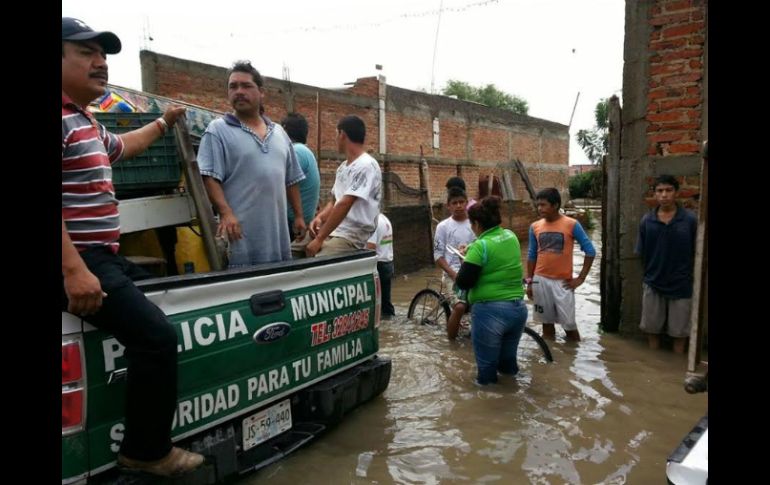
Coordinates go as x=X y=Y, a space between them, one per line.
x=314 y=410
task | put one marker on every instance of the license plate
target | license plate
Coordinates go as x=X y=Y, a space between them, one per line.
x=266 y=424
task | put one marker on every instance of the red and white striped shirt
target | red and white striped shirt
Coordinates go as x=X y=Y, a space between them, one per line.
x=88 y=204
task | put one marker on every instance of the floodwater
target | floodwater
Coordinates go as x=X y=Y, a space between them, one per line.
x=607 y=410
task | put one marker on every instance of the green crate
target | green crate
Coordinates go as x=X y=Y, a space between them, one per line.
x=155 y=168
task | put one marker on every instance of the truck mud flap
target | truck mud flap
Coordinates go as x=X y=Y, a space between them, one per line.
x=329 y=401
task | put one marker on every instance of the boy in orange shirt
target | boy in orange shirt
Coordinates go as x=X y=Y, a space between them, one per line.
x=550 y=282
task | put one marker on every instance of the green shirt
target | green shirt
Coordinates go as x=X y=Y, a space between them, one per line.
x=498 y=253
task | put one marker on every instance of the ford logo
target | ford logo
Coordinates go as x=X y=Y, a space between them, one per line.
x=272 y=332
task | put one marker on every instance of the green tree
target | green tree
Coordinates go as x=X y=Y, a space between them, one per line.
x=487 y=95
x=596 y=141
x=586 y=185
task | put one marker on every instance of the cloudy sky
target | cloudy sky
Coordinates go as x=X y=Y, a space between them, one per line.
x=545 y=51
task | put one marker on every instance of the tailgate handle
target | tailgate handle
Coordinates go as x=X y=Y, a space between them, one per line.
x=267 y=302
x=116 y=375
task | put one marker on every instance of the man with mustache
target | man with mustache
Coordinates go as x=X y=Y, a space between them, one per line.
x=250 y=169
x=97 y=283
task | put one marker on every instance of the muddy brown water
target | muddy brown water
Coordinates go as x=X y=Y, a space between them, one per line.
x=608 y=410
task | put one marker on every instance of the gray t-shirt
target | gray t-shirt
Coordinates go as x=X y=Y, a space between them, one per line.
x=254 y=174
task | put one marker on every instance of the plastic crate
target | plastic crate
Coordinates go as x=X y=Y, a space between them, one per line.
x=155 y=168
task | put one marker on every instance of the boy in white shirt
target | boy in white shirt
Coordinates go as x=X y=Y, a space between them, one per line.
x=454 y=231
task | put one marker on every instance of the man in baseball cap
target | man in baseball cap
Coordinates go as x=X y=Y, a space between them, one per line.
x=77 y=31
x=97 y=281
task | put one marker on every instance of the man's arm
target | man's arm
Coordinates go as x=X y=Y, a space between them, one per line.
x=83 y=289
x=590 y=253
x=573 y=283
x=443 y=264
x=531 y=260
x=137 y=141
x=530 y=272
x=320 y=218
x=228 y=224
x=439 y=249
x=336 y=215
x=292 y=193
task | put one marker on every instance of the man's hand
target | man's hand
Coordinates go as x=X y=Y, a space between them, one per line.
x=84 y=292
x=172 y=114
x=229 y=227
x=573 y=283
x=529 y=291
x=315 y=226
x=299 y=229
x=313 y=247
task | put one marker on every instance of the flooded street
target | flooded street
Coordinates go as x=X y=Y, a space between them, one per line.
x=607 y=410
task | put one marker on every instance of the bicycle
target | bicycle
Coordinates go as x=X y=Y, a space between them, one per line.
x=431 y=307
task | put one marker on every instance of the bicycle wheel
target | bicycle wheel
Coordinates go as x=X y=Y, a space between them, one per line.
x=428 y=307
x=540 y=342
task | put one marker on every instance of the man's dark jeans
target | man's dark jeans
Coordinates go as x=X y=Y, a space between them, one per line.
x=150 y=341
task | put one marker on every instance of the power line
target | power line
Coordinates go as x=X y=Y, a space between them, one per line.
x=435 y=47
x=408 y=15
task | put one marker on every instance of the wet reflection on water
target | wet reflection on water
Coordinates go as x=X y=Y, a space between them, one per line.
x=608 y=410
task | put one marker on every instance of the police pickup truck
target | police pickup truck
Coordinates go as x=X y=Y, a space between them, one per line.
x=269 y=356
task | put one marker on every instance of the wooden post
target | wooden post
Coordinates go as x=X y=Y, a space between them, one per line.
x=425 y=185
x=700 y=272
x=198 y=193
x=610 y=283
x=527 y=183
x=507 y=185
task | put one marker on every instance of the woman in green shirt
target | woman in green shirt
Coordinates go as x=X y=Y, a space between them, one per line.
x=492 y=272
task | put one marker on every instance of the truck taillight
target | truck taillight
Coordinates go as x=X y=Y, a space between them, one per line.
x=71 y=409
x=71 y=368
x=73 y=385
x=377 y=299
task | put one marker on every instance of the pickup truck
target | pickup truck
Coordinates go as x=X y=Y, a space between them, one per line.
x=269 y=357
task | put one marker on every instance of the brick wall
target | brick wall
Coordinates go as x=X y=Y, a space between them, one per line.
x=474 y=139
x=675 y=93
x=663 y=124
x=470 y=134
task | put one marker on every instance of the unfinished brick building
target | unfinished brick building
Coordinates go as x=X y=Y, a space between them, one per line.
x=659 y=130
x=457 y=138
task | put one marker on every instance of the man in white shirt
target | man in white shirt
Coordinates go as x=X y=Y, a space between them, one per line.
x=382 y=241
x=349 y=219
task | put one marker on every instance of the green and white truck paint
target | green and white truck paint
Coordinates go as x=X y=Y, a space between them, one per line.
x=269 y=357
